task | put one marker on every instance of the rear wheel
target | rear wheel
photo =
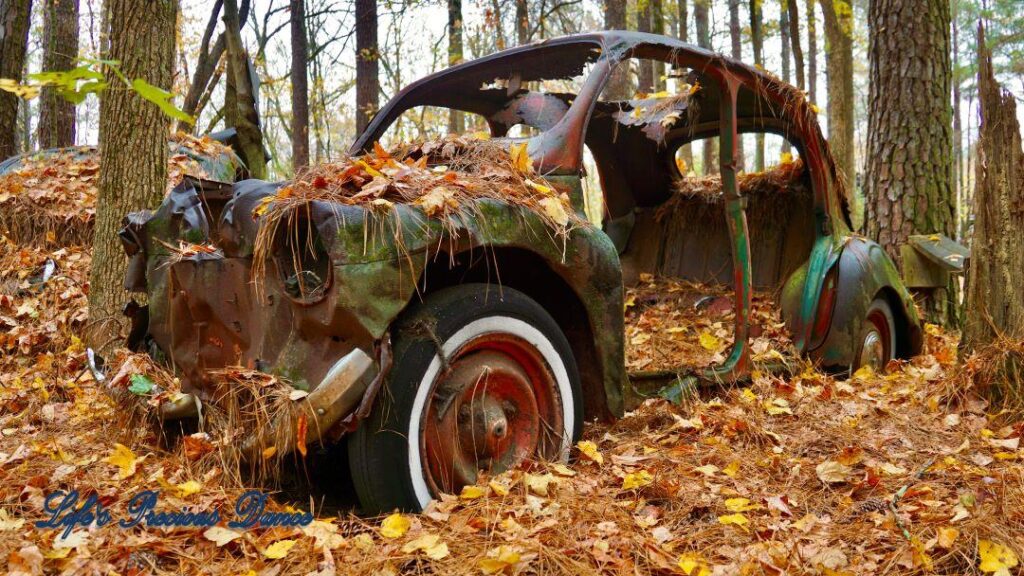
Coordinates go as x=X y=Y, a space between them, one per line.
x=878 y=333
x=483 y=380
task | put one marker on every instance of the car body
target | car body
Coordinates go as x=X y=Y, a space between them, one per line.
x=838 y=290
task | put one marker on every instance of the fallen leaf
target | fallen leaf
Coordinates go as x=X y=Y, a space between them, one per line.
x=637 y=479
x=221 y=535
x=946 y=536
x=429 y=544
x=186 y=489
x=996 y=558
x=740 y=505
x=279 y=549
x=554 y=210
x=498 y=559
x=589 y=449
x=736 y=520
x=832 y=472
x=300 y=434
x=472 y=492
x=538 y=484
x=394 y=526
x=124 y=459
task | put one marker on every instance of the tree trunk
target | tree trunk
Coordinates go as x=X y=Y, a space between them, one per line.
x=615 y=19
x=686 y=152
x=522 y=22
x=658 y=27
x=994 y=302
x=909 y=169
x=702 y=22
x=736 y=41
x=133 y=148
x=958 y=135
x=794 y=36
x=14 y=17
x=246 y=119
x=645 y=73
x=839 y=71
x=757 y=41
x=300 y=86
x=367 y=63
x=786 y=45
x=812 y=52
x=205 y=77
x=60 y=48
x=456 y=123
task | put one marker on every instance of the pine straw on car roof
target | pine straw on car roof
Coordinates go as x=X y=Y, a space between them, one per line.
x=819 y=461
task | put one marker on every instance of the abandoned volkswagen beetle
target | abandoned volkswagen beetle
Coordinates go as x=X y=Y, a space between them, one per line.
x=444 y=352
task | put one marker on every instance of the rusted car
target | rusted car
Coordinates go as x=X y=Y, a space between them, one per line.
x=469 y=349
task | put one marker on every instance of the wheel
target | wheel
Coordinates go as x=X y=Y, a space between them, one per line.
x=506 y=390
x=877 y=341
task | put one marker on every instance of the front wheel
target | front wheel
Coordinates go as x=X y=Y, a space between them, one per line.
x=483 y=380
x=878 y=333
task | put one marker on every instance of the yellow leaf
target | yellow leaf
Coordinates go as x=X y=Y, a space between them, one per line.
x=709 y=341
x=740 y=505
x=946 y=537
x=539 y=187
x=221 y=535
x=481 y=135
x=394 y=526
x=786 y=158
x=189 y=488
x=429 y=544
x=554 y=210
x=538 y=484
x=562 y=469
x=638 y=479
x=589 y=449
x=472 y=492
x=693 y=564
x=499 y=488
x=996 y=558
x=707 y=469
x=736 y=520
x=732 y=469
x=681 y=165
x=279 y=549
x=498 y=559
x=437 y=201
x=748 y=396
x=262 y=207
x=123 y=458
x=370 y=169
x=269 y=452
x=832 y=472
x=864 y=372
x=521 y=158
x=777 y=406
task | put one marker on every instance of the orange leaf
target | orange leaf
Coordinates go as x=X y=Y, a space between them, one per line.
x=300 y=440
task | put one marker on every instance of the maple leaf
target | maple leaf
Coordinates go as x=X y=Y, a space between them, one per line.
x=429 y=544
x=737 y=519
x=498 y=559
x=521 y=161
x=472 y=492
x=589 y=449
x=996 y=558
x=124 y=459
x=279 y=549
x=637 y=479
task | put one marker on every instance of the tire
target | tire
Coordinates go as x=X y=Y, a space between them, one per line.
x=507 y=390
x=877 y=343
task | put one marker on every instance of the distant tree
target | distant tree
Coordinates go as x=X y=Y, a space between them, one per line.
x=14 y=20
x=686 y=152
x=456 y=124
x=909 y=164
x=522 y=22
x=838 y=16
x=786 y=46
x=702 y=22
x=367 y=63
x=812 y=52
x=658 y=27
x=207 y=74
x=241 y=98
x=994 y=303
x=794 y=36
x=645 y=72
x=300 y=85
x=736 y=41
x=133 y=147
x=757 y=42
x=615 y=19
x=60 y=49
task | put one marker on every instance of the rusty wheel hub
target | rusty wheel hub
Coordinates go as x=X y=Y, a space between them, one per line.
x=495 y=407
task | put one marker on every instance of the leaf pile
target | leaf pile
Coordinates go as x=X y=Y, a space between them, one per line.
x=785 y=179
x=672 y=324
x=51 y=196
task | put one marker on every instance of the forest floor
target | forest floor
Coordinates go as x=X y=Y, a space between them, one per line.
x=904 y=472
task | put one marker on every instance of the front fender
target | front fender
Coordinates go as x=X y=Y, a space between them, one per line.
x=865 y=273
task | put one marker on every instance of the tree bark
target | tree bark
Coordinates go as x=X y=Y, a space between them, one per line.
x=133 y=148
x=839 y=70
x=812 y=52
x=615 y=19
x=658 y=27
x=994 y=302
x=908 y=177
x=686 y=152
x=645 y=71
x=367 y=63
x=522 y=22
x=15 y=16
x=60 y=49
x=456 y=124
x=204 y=78
x=757 y=41
x=794 y=36
x=736 y=41
x=245 y=117
x=300 y=86
x=958 y=135
x=786 y=45
x=702 y=23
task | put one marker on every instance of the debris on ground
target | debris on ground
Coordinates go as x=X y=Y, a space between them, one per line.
x=673 y=324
